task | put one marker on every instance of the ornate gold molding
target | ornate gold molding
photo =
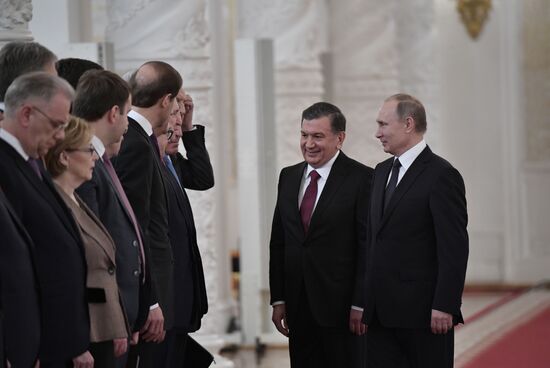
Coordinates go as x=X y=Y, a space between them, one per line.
x=474 y=13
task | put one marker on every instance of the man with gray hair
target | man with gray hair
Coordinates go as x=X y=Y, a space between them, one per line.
x=17 y=58
x=37 y=110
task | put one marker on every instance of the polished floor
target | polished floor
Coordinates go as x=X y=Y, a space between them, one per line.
x=477 y=307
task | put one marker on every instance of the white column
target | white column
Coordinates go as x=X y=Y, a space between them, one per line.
x=298 y=31
x=14 y=21
x=257 y=175
x=179 y=33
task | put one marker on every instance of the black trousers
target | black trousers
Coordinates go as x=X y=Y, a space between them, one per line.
x=172 y=350
x=145 y=355
x=315 y=346
x=408 y=347
x=103 y=353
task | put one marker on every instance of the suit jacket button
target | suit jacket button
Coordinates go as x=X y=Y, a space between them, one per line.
x=111 y=270
x=136 y=273
x=135 y=243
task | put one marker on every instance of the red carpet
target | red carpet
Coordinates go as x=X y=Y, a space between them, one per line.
x=526 y=346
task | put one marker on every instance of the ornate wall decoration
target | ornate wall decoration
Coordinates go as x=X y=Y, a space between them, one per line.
x=178 y=33
x=365 y=70
x=15 y=14
x=474 y=14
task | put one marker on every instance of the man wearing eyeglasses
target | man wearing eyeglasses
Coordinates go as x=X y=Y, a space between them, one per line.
x=37 y=109
x=194 y=172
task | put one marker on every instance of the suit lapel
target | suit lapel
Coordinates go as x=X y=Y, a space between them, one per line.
x=335 y=179
x=50 y=195
x=100 y=167
x=378 y=189
x=154 y=151
x=15 y=218
x=181 y=197
x=417 y=167
x=294 y=183
x=107 y=247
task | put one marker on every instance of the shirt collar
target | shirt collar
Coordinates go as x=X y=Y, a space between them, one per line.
x=324 y=170
x=98 y=146
x=142 y=121
x=407 y=158
x=14 y=142
x=2 y=106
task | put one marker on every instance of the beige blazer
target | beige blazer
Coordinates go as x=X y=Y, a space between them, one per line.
x=107 y=317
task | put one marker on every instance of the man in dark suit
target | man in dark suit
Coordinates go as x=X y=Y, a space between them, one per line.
x=418 y=245
x=103 y=99
x=194 y=172
x=154 y=87
x=20 y=57
x=18 y=291
x=318 y=245
x=37 y=109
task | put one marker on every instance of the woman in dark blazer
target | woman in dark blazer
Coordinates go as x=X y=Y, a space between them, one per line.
x=71 y=163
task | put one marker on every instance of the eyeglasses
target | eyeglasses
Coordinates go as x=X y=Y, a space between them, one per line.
x=89 y=150
x=169 y=134
x=56 y=124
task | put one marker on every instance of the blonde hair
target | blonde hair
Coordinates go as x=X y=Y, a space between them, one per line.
x=77 y=133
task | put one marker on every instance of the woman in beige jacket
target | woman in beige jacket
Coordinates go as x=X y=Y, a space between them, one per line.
x=71 y=163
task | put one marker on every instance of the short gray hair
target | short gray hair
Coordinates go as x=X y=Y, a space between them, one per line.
x=35 y=85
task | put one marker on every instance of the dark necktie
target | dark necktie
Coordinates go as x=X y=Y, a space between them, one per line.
x=155 y=142
x=127 y=205
x=393 y=182
x=35 y=167
x=171 y=167
x=308 y=202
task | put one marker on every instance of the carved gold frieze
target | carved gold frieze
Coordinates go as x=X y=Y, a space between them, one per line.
x=474 y=14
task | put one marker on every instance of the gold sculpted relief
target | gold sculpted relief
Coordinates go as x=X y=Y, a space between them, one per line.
x=474 y=13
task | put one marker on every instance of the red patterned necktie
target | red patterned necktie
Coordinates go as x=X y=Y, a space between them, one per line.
x=308 y=202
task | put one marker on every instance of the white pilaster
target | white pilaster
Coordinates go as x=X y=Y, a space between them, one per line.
x=298 y=30
x=257 y=175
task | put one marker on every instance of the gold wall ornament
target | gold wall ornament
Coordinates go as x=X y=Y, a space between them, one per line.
x=474 y=13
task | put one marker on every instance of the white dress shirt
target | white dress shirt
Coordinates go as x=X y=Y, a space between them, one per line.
x=323 y=172
x=98 y=146
x=407 y=158
x=142 y=121
x=14 y=142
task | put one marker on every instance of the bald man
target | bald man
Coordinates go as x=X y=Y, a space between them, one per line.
x=154 y=87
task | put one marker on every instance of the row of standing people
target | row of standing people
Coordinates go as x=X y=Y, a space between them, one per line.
x=99 y=258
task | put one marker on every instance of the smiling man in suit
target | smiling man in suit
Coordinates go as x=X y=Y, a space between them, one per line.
x=37 y=110
x=418 y=245
x=318 y=245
